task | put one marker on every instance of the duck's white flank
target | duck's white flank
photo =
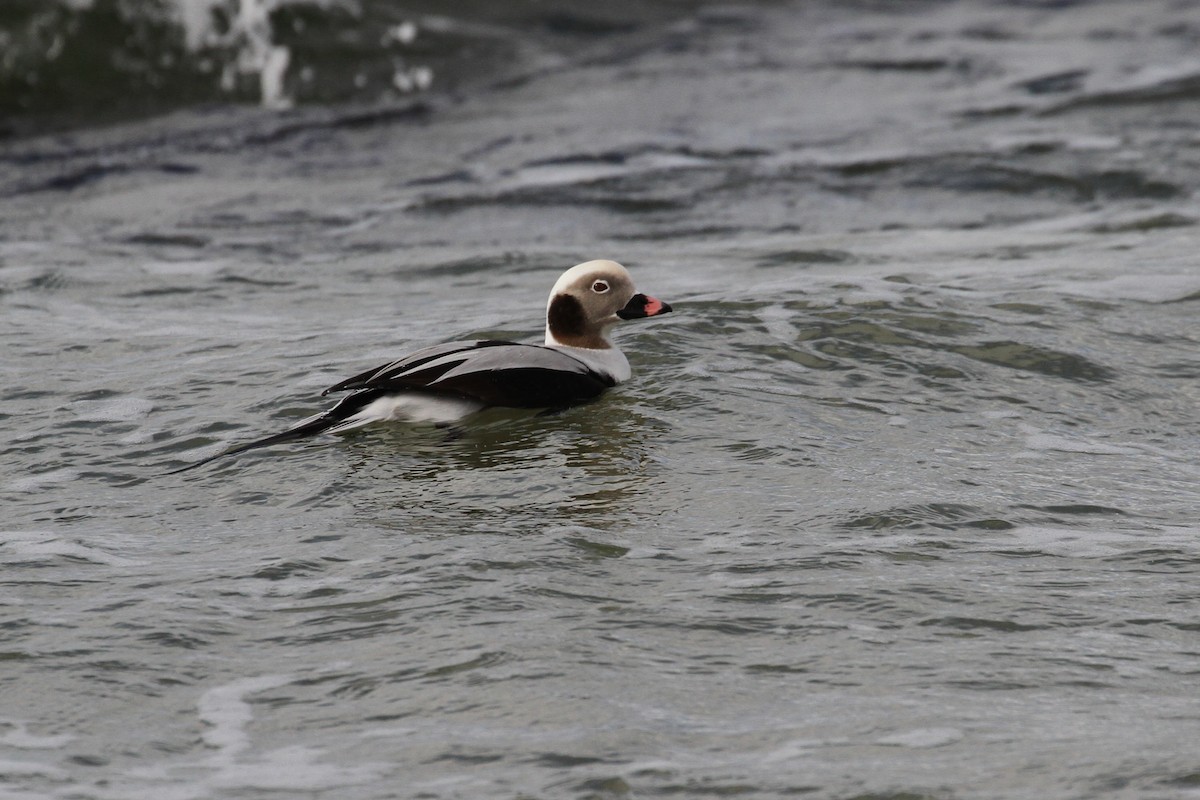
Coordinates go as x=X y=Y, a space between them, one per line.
x=412 y=407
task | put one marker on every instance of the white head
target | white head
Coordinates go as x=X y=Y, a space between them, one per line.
x=588 y=299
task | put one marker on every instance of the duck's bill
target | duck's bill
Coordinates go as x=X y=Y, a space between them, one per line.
x=641 y=305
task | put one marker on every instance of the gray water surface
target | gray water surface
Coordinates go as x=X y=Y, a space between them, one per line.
x=900 y=502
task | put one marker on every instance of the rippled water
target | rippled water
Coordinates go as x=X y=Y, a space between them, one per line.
x=900 y=502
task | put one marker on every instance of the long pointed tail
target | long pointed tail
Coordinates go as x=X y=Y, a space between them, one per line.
x=309 y=427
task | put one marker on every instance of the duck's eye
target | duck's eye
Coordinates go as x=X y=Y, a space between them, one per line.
x=600 y=287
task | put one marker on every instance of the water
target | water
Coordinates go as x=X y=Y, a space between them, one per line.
x=900 y=501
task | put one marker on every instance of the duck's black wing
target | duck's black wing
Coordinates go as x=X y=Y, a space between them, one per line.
x=412 y=361
x=489 y=371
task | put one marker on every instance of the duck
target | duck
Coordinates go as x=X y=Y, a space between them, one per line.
x=446 y=383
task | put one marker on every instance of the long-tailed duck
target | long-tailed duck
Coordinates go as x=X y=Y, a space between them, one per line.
x=446 y=382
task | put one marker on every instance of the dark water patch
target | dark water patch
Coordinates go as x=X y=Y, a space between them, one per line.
x=844 y=353
x=360 y=687
x=836 y=334
x=160 y=146
x=1187 y=370
x=756 y=451
x=1150 y=222
x=167 y=240
x=1031 y=358
x=777 y=669
x=178 y=168
x=1041 y=148
x=614 y=788
x=1157 y=561
x=50 y=280
x=244 y=280
x=676 y=233
x=868 y=167
x=1130 y=184
x=944 y=324
x=348 y=120
x=994 y=112
x=1187 y=780
x=937 y=515
x=81 y=177
x=1171 y=91
x=794 y=257
x=92 y=61
x=1024 y=308
x=456 y=176
x=584 y=25
x=1088 y=510
x=615 y=157
x=173 y=639
x=567 y=760
x=482 y=661
x=511 y=261
x=71 y=176
x=70 y=64
x=302 y=218
x=288 y=569
x=906 y=64
x=601 y=549
x=987 y=524
x=985 y=177
x=853 y=404
x=1055 y=83
x=1193 y=627
x=168 y=291
x=993 y=685
x=967 y=173
x=1091 y=304
x=468 y=759
x=715 y=154
x=609 y=198
x=973 y=624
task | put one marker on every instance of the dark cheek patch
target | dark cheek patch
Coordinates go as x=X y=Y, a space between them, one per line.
x=565 y=317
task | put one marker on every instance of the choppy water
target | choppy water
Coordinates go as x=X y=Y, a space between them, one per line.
x=901 y=501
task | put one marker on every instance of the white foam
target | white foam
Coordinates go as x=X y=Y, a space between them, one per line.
x=251 y=35
x=295 y=768
x=1070 y=542
x=545 y=175
x=250 y=32
x=40 y=480
x=1050 y=441
x=231 y=767
x=226 y=710
x=1146 y=287
x=20 y=547
x=20 y=737
x=1154 y=75
x=116 y=409
x=922 y=738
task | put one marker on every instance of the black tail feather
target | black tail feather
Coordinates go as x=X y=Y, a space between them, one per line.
x=343 y=410
x=292 y=434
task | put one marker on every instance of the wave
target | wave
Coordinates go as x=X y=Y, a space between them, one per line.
x=67 y=63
